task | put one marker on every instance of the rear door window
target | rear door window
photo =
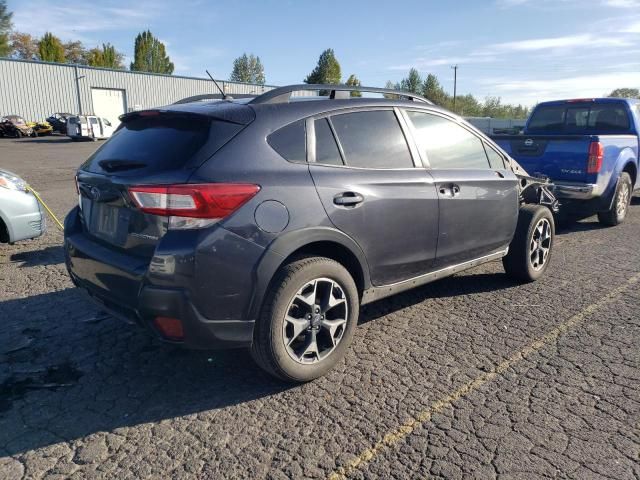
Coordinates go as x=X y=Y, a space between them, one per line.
x=446 y=144
x=372 y=139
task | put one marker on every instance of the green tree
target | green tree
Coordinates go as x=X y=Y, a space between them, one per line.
x=75 y=52
x=625 y=93
x=51 y=49
x=150 y=55
x=353 y=81
x=412 y=83
x=466 y=105
x=248 y=69
x=327 y=70
x=24 y=46
x=5 y=28
x=433 y=91
x=106 y=57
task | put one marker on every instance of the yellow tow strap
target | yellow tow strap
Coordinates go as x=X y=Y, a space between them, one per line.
x=55 y=219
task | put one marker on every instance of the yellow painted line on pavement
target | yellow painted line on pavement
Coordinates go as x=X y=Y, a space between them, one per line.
x=402 y=431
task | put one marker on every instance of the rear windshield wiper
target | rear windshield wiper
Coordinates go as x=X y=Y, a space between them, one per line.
x=118 y=165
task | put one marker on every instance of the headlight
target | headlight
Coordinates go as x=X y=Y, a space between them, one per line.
x=10 y=181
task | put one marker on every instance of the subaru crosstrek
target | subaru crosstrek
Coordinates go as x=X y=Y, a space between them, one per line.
x=266 y=223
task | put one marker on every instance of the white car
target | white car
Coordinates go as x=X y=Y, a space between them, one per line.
x=21 y=217
x=89 y=127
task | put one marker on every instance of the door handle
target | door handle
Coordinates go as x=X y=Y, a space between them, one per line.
x=500 y=174
x=348 y=199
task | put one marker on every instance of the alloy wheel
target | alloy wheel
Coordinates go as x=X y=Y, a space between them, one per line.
x=540 y=244
x=315 y=321
x=623 y=200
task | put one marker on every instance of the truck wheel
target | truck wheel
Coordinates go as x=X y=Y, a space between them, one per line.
x=307 y=321
x=530 y=250
x=621 y=200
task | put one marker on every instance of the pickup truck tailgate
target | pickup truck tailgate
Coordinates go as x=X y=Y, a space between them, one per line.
x=561 y=158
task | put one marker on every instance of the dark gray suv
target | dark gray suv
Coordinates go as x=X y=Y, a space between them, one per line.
x=266 y=222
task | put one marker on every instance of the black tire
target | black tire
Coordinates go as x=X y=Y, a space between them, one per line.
x=270 y=334
x=518 y=262
x=621 y=200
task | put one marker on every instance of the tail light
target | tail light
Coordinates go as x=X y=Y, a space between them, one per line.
x=192 y=205
x=596 y=154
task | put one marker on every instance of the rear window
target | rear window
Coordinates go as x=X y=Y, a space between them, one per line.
x=163 y=142
x=580 y=117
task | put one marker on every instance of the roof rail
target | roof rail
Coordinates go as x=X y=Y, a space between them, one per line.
x=336 y=92
x=212 y=96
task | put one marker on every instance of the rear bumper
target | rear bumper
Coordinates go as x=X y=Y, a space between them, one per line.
x=213 y=303
x=199 y=332
x=576 y=191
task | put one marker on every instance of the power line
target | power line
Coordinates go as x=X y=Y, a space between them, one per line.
x=455 y=85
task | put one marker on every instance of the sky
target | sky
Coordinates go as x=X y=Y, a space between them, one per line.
x=523 y=51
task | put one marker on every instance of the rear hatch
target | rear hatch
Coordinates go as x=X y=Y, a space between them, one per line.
x=158 y=147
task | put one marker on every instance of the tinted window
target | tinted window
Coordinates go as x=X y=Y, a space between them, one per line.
x=547 y=118
x=447 y=144
x=576 y=117
x=326 y=147
x=290 y=142
x=372 y=140
x=94 y=121
x=164 y=141
x=495 y=159
x=609 y=118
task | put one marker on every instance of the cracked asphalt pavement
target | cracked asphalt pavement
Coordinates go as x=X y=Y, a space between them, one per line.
x=470 y=377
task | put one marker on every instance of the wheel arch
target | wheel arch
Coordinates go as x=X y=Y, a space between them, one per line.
x=5 y=230
x=631 y=168
x=323 y=242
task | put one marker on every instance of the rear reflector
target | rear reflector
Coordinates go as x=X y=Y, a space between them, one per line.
x=170 y=328
x=205 y=201
x=596 y=154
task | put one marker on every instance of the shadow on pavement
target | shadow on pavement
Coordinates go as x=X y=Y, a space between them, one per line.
x=68 y=371
x=462 y=284
x=47 y=256
x=569 y=226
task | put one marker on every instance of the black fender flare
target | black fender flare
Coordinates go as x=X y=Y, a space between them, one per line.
x=282 y=247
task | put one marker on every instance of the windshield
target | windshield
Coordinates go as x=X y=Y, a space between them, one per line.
x=580 y=117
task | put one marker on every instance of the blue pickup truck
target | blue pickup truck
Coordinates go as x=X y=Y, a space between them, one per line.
x=588 y=148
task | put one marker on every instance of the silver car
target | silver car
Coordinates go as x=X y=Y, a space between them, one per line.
x=21 y=217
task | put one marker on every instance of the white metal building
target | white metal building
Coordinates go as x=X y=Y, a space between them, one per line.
x=35 y=90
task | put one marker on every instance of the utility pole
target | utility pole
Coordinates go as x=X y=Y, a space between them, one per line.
x=455 y=85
